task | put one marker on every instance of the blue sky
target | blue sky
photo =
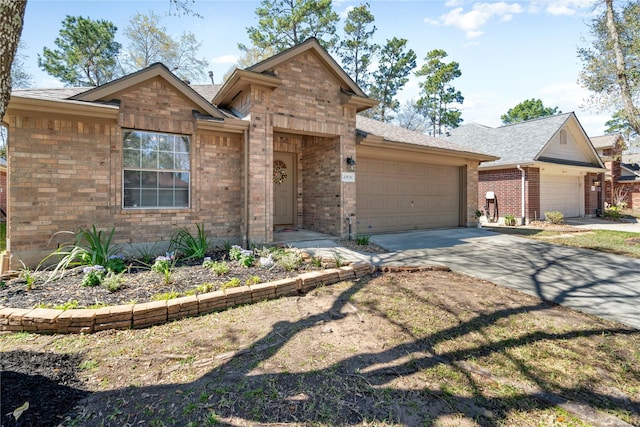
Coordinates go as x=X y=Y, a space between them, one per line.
x=508 y=51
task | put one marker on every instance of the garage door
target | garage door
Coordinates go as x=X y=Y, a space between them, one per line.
x=561 y=193
x=398 y=196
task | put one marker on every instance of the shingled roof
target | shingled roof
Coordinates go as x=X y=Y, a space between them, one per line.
x=519 y=143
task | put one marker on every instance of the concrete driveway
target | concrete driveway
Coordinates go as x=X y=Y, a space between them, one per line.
x=593 y=282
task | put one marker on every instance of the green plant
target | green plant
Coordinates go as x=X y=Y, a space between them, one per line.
x=93 y=275
x=338 y=259
x=188 y=245
x=289 y=260
x=233 y=283
x=113 y=281
x=219 y=268
x=613 y=212
x=244 y=257
x=316 y=261
x=97 y=246
x=69 y=305
x=509 y=220
x=362 y=239
x=554 y=217
x=28 y=276
x=205 y=287
x=164 y=265
x=146 y=252
x=253 y=280
x=165 y=296
x=479 y=213
x=115 y=264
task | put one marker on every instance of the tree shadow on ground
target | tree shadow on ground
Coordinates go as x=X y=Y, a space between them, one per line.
x=369 y=387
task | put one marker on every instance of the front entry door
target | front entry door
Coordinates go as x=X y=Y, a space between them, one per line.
x=283 y=184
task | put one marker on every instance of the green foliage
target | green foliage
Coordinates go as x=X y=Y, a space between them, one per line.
x=164 y=265
x=69 y=305
x=244 y=257
x=289 y=260
x=86 y=53
x=613 y=212
x=509 y=220
x=219 y=268
x=188 y=245
x=96 y=245
x=93 y=275
x=285 y=23
x=439 y=97
x=362 y=239
x=356 y=48
x=528 y=110
x=113 y=281
x=115 y=264
x=338 y=259
x=146 y=253
x=253 y=280
x=233 y=283
x=165 y=296
x=395 y=65
x=554 y=217
x=28 y=276
x=316 y=261
x=205 y=287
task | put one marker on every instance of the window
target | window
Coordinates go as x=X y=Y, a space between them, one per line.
x=156 y=170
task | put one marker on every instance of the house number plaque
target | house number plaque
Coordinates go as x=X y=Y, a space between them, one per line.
x=348 y=177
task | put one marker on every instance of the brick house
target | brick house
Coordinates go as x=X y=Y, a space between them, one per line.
x=544 y=165
x=278 y=144
x=622 y=180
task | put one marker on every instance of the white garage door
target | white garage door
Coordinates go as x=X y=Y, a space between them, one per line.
x=398 y=196
x=561 y=193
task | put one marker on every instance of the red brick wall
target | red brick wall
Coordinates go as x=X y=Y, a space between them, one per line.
x=591 y=197
x=507 y=186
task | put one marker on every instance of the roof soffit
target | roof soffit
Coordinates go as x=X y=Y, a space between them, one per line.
x=108 y=90
x=239 y=81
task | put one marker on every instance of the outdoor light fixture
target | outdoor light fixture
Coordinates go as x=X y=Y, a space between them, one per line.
x=352 y=163
x=596 y=183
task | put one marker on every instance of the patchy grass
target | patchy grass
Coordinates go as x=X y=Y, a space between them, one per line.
x=424 y=348
x=615 y=242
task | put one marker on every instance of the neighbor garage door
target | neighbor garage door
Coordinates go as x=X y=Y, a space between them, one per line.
x=560 y=193
x=398 y=195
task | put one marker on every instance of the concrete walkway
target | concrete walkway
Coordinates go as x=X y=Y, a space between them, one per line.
x=593 y=282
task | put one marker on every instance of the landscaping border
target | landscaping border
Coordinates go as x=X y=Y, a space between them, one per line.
x=137 y=316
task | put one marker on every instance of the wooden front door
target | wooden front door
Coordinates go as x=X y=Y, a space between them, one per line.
x=283 y=185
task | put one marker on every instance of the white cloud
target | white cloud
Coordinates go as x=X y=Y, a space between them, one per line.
x=225 y=59
x=472 y=21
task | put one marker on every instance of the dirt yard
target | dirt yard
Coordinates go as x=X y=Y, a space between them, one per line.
x=404 y=348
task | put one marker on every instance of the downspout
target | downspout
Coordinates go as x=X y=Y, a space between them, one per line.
x=522 y=187
x=245 y=238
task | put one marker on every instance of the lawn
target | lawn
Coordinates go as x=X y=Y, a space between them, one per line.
x=424 y=348
x=615 y=242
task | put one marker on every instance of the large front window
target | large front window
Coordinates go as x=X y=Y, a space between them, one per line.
x=156 y=170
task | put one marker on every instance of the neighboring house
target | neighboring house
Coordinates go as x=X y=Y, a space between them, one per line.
x=278 y=144
x=544 y=165
x=622 y=180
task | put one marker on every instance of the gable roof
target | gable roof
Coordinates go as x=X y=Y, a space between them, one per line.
x=261 y=73
x=605 y=141
x=375 y=130
x=105 y=91
x=523 y=143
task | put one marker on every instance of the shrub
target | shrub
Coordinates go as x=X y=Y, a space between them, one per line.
x=245 y=257
x=115 y=264
x=362 y=239
x=113 y=281
x=233 y=283
x=554 y=217
x=188 y=245
x=93 y=275
x=253 y=280
x=613 y=212
x=164 y=265
x=205 y=287
x=219 y=268
x=289 y=260
x=96 y=245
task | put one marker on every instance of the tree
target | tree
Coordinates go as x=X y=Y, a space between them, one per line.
x=148 y=42
x=86 y=55
x=20 y=78
x=181 y=58
x=250 y=56
x=356 y=49
x=610 y=66
x=11 y=21
x=285 y=23
x=395 y=63
x=410 y=117
x=620 y=125
x=528 y=110
x=438 y=94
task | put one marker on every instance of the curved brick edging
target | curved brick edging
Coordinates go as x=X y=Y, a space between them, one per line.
x=46 y=320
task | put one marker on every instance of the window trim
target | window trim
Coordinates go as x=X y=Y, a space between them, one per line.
x=188 y=171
